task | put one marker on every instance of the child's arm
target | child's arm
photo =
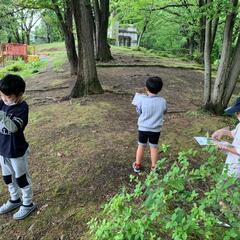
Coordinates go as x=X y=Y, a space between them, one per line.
x=222 y=132
x=16 y=121
x=7 y=122
x=225 y=148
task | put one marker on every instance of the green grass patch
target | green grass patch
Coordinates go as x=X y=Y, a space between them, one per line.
x=22 y=68
x=56 y=52
x=150 y=56
x=50 y=46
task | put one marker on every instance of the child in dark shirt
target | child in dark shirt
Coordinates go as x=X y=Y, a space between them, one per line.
x=14 y=148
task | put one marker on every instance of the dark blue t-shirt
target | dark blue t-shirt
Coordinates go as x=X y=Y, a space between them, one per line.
x=13 y=144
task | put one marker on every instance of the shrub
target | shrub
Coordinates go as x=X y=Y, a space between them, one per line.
x=16 y=67
x=180 y=204
x=22 y=68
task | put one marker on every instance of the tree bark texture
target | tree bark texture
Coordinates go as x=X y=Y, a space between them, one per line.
x=225 y=61
x=101 y=18
x=228 y=70
x=207 y=63
x=233 y=73
x=87 y=81
x=202 y=25
x=66 y=23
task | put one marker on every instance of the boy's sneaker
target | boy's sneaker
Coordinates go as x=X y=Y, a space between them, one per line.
x=136 y=167
x=24 y=211
x=9 y=206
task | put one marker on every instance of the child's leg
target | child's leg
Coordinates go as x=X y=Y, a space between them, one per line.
x=9 y=178
x=142 y=142
x=154 y=156
x=153 y=143
x=139 y=154
x=20 y=166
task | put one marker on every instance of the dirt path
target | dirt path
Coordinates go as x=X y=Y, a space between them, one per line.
x=82 y=150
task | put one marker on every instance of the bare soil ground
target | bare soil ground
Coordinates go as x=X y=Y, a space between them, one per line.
x=82 y=150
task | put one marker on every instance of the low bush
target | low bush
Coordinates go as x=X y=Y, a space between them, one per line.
x=182 y=202
x=22 y=68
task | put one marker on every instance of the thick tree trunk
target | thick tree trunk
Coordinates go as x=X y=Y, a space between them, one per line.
x=228 y=68
x=223 y=69
x=207 y=63
x=101 y=10
x=66 y=24
x=87 y=80
x=71 y=51
x=233 y=73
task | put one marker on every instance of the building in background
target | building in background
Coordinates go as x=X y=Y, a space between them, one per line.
x=123 y=35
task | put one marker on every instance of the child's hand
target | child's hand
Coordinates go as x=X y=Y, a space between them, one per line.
x=222 y=147
x=218 y=134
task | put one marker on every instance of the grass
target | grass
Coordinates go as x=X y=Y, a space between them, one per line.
x=59 y=180
x=22 y=68
x=56 y=52
x=158 y=57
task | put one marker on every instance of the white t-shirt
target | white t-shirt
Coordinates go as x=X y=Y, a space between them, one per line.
x=233 y=160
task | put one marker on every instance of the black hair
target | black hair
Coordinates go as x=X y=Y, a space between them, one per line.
x=12 y=84
x=154 y=84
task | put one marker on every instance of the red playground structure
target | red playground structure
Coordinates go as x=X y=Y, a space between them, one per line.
x=14 y=50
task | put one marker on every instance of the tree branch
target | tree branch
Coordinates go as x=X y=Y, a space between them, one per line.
x=168 y=6
x=171 y=12
x=11 y=13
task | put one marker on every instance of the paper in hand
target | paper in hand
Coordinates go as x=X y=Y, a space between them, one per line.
x=137 y=99
x=203 y=141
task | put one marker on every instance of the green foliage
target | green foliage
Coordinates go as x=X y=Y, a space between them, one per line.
x=48 y=30
x=22 y=68
x=181 y=203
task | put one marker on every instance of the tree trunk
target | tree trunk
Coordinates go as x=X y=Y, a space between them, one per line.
x=87 y=80
x=28 y=38
x=202 y=24
x=23 y=37
x=214 y=31
x=207 y=63
x=48 y=33
x=191 y=45
x=66 y=24
x=71 y=51
x=223 y=69
x=17 y=35
x=234 y=73
x=101 y=9
x=146 y=22
x=228 y=70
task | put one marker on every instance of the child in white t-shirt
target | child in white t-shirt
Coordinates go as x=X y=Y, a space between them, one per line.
x=233 y=151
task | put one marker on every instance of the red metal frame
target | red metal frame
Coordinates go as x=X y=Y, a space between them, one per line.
x=13 y=49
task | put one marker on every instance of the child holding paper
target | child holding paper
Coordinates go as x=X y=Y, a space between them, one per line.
x=233 y=151
x=151 y=109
